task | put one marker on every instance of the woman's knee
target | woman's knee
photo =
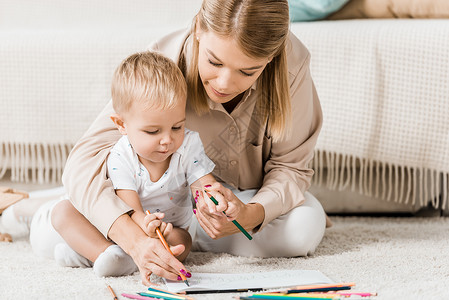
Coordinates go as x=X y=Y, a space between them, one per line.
x=305 y=226
x=303 y=243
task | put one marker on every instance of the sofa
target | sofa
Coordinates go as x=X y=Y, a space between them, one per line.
x=383 y=85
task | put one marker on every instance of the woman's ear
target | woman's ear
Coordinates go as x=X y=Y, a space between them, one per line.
x=119 y=122
x=197 y=29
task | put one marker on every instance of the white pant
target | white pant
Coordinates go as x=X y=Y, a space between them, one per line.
x=43 y=236
x=296 y=233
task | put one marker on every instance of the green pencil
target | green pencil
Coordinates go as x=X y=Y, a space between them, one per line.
x=161 y=296
x=234 y=221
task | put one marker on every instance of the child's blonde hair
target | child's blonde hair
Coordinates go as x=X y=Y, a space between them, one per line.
x=147 y=78
x=261 y=29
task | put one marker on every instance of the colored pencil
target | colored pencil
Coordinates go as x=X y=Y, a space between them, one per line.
x=321 y=288
x=234 y=221
x=112 y=292
x=285 y=296
x=138 y=297
x=153 y=289
x=324 y=285
x=329 y=289
x=162 y=296
x=301 y=295
x=164 y=242
x=361 y=294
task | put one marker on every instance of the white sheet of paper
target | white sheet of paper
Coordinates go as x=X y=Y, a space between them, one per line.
x=265 y=280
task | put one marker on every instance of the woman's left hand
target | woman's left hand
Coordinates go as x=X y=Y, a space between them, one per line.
x=211 y=217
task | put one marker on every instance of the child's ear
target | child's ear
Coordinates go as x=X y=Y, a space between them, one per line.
x=118 y=121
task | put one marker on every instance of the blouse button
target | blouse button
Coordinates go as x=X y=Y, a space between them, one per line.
x=233 y=162
x=232 y=129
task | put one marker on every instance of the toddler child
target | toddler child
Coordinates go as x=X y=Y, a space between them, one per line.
x=152 y=167
x=156 y=161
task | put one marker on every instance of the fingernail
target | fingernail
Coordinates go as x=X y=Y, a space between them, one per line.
x=183 y=272
x=194 y=211
x=188 y=275
x=179 y=278
x=207 y=185
x=196 y=192
x=196 y=199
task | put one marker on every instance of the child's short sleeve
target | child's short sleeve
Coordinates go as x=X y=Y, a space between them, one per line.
x=195 y=160
x=120 y=165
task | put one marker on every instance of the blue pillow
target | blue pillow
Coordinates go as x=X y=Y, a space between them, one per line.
x=310 y=10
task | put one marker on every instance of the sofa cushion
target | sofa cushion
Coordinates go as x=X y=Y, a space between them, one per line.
x=87 y=14
x=419 y=9
x=310 y=10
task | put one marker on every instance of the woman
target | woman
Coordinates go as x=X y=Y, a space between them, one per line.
x=252 y=99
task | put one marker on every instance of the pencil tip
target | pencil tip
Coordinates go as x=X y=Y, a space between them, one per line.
x=186 y=282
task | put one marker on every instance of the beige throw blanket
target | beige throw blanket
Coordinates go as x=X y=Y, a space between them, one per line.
x=384 y=88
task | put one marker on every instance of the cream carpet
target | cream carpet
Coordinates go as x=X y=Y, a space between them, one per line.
x=399 y=258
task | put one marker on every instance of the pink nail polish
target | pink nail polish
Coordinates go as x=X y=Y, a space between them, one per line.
x=208 y=185
x=194 y=211
x=179 y=278
x=196 y=192
x=183 y=272
x=188 y=275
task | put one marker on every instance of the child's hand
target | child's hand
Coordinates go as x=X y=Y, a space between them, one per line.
x=152 y=221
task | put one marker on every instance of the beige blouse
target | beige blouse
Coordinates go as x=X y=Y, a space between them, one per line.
x=245 y=156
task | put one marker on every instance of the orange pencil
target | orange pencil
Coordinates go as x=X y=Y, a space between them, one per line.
x=325 y=285
x=112 y=292
x=164 y=242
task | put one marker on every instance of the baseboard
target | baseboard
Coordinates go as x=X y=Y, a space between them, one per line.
x=349 y=202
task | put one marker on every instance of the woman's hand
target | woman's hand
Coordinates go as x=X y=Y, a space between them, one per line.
x=148 y=253
x=153 y=221
x=151 y=257
x=211 y=217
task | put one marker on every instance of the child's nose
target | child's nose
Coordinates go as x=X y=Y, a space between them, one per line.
x=166 y=139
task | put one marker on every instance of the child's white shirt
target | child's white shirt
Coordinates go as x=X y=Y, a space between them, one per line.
x=171 y=193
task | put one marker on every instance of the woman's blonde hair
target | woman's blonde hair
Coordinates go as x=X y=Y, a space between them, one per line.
x=260 y=27
x=148 y=78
